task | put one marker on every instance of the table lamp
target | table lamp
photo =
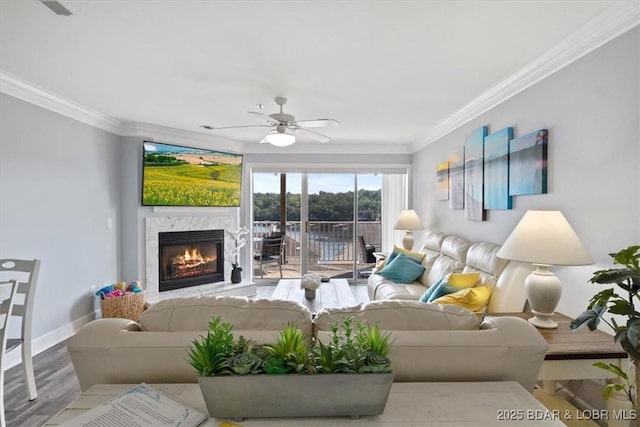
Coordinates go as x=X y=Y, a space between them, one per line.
x=408 y=221
x=544 y=238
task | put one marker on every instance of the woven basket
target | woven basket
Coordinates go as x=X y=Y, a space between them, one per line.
x=129 y=306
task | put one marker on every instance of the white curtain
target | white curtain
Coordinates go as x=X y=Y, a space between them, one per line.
x=394 y=201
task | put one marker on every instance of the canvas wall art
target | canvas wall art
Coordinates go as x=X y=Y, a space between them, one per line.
x=528 y=164
x=496 y=170
x=474 y=175
x=442 y=181
x=456 y=180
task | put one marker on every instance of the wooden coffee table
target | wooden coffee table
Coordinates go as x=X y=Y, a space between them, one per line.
x=457 y=404
x=332 y=294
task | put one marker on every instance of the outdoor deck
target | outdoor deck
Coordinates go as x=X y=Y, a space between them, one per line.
x=331 y=249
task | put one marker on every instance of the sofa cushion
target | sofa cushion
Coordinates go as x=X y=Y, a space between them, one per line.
x=397 y=251
x=402 y=269
x=194 y=314
x=452 y=282
x=481 y=258
x=402 y=315
x=474 y=299
x=432 y=242
x=391 y=290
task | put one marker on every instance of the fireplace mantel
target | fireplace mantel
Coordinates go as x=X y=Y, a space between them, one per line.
x=157 y=224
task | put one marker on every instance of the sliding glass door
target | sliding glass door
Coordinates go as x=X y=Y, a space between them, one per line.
x=331 y=222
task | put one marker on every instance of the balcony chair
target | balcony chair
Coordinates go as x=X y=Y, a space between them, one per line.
x=367 y=251
x=271 y=252
x=7 y=294
x=17 y=269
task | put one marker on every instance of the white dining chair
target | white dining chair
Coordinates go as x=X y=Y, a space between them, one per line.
x=25 y=273
x=7 y=293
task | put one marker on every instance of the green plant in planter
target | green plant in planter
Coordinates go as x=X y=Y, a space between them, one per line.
x=627 y=278
x=245 y=360
x=208 y=355
x=354 y=347
x=289 y=354
x=625 y=385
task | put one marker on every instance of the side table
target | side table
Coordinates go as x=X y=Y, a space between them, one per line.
x=571 y=354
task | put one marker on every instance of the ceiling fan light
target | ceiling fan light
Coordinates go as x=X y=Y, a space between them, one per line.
x=280 y=139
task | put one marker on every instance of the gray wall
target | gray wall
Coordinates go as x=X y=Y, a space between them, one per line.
x=591 y=109
x=59 y=182
x=133 y=215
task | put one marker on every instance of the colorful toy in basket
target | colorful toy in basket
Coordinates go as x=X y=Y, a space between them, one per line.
x=119 y=289
x=122 y=299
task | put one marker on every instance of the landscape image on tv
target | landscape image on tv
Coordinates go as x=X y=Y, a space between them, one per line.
x=174 y=175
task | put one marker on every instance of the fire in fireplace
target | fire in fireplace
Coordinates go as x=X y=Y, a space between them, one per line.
x=190 y=258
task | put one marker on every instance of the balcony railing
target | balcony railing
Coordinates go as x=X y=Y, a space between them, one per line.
x=331 y=243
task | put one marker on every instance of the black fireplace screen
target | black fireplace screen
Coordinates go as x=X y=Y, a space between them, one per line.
x=190 y=258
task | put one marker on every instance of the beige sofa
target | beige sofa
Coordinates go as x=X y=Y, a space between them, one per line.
x=446 y=254
x=431 y=342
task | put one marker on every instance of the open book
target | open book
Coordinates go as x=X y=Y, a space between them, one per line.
x=139 y=406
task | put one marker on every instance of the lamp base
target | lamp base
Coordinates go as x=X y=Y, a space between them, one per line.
x=543 y=320
x=543 y=290
x=407 y=240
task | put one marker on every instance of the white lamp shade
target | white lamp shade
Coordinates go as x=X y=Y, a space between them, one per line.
x=545 y=237
x=280 y=139
x=408 y=220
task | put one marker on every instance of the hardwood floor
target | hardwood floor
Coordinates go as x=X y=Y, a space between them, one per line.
x=57 y=387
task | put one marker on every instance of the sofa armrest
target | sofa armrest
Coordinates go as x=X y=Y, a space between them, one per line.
x=100 y=332
x=527 y=347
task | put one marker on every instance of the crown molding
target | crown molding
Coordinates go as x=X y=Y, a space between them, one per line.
x=618 y=18
x=172 y=135
x=21 y=89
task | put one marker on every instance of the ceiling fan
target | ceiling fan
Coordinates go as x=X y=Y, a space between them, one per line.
x=285 y=126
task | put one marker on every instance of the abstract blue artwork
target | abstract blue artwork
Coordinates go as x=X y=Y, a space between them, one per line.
x=528 y=164
x=442 y=175
x=496 y=170
x=456 y=180
x=474 y=175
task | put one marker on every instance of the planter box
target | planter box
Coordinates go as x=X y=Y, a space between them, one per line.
x=292 y=395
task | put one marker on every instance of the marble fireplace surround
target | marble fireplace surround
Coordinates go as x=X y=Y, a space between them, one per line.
x=158 y=224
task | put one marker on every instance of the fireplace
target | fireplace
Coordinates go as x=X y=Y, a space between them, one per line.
x=190 y=258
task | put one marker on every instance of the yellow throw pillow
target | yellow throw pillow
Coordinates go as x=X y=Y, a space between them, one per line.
x=396 y=251
x=473 y=299
x=463 y=280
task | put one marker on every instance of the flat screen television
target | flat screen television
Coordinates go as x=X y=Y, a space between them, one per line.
x=174 y=175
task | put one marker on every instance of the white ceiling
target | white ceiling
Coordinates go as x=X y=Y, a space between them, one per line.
x=392 y=72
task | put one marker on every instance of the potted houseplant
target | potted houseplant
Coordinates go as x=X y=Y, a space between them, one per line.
x=292 y=376
x=627 y=279
x=618 y=396
x=239 y=240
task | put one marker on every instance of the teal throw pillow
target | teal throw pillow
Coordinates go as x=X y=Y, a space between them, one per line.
x=426 y=297
x=402 y=269
x=449 y=284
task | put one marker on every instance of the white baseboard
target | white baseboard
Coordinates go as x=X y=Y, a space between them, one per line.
x=48 y=340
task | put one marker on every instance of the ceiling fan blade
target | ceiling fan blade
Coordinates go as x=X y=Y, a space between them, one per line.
x=315 y=135
x=264 y=117
x=209 y=127
x=318 y=123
